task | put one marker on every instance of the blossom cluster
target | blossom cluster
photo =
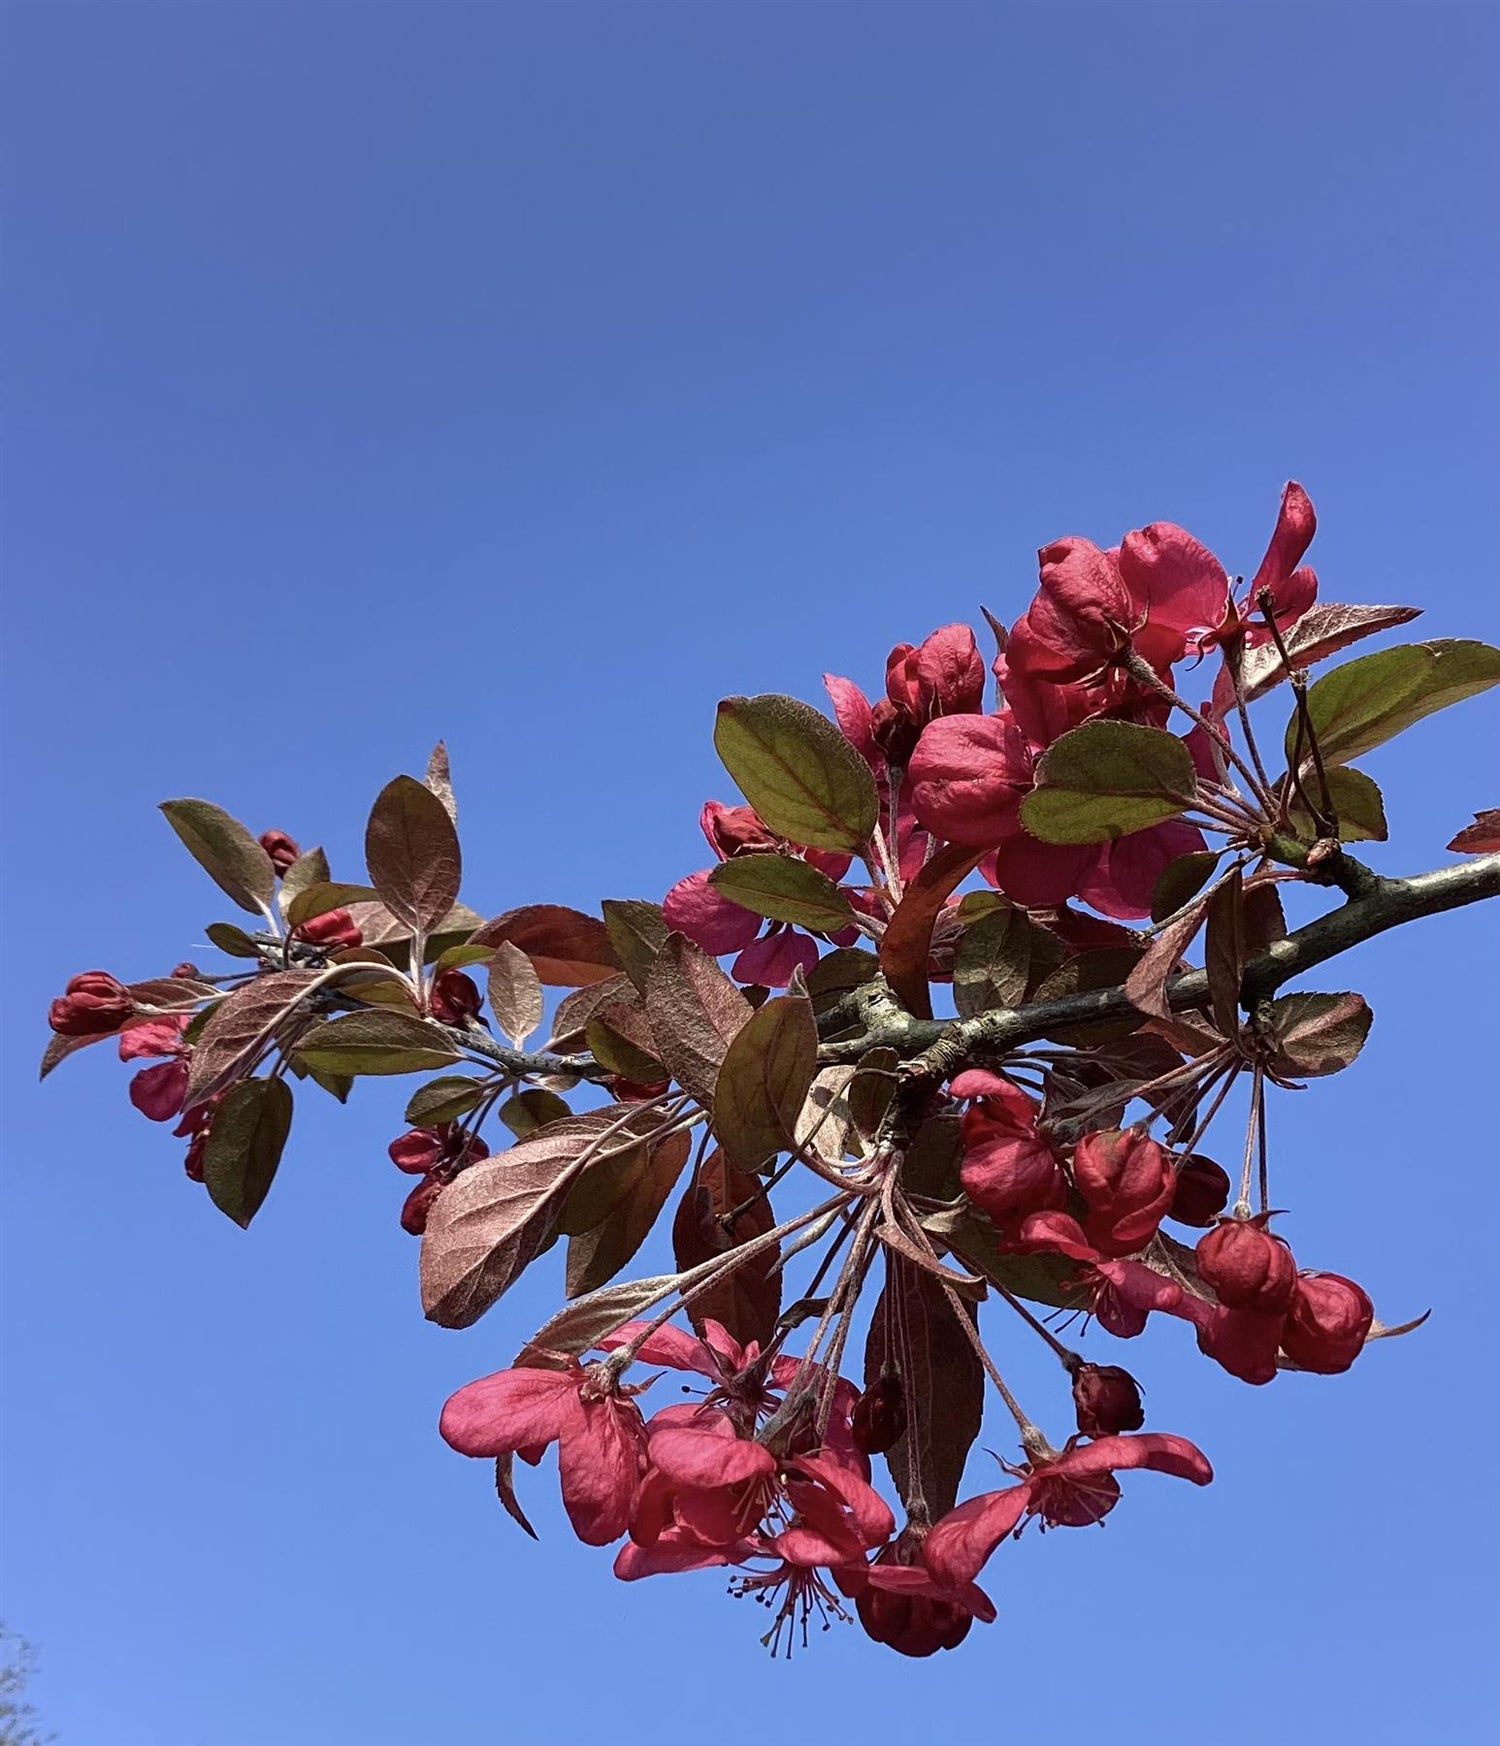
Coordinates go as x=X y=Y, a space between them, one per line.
x=1035 y=844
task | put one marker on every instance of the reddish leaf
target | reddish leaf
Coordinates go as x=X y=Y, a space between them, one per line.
x=942 y=1381
x=1322 y=630
x=567 y=948
x=1480 y=837
x=439 y=779
x=1146 y=985
x=695 y=1012
x=907 y=943
x=595 y=1256
x=515 y=992
x=748 y=1301
x=1224 y=952
x=1316 y=1034
x=411 y=850
x=239 y=1024
x=486 y=1228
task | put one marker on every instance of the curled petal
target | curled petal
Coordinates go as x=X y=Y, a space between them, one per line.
x=773 y=961
x=513 y=1409
x=600 y=1460
x=670 y=1347
x=1296 y=524
x=708 y=918
x=959 y=1546
x=1160 y=1451
x=914 y=1580
x=707 y=1459
x=673 y=1552
x=968 y=776
x=851 y=710
x=1179 y=582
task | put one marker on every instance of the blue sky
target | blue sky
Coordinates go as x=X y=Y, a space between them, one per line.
x=534 y=375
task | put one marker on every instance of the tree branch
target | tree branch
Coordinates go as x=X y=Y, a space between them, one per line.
x=1382 y=904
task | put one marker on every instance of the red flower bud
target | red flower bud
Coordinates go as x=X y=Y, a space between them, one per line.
x=1247 y=1267
x=334 y=932
x=631 y=1091
x=911 y=1624
x=1202 y=1192
x=94 y=1004
x=418 y=1204
x=879 y=1420
x=455 y=998
x=1242 y=1341
x=734 y=830
x=895 y=732
x=417 y=1151
x=1107 y=1400
x=911 y=1618
x=1328 y=1322
x=282 y=849
x=193 y=1162
x=1128 y=1182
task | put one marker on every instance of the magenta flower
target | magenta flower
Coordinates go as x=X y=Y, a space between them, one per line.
x=601 y=1439
x=1070 y=1490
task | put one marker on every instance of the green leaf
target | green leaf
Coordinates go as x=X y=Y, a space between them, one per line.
x=244 y=1146
x=619 y=1038
x=1181 y=881
x=325 y=897
x=444 y=1099
x=798 y=771
x=310 y=868
x=225 y=850
x=1354 y=798
x=637 y=930
x=992 y=962
x=784 y=889
x=764 y=1081
x=1368 y=701
x=377 y=1043
x=1108 y=779
x=232 y=941
x=411 y=850
x=531 y=1109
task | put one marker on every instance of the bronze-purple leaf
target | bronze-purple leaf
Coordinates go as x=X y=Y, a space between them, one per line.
x=695 y=1011
x=906 y=944
x=595 y=1256
x=748 y=1300
x=1315 y=1034
x=515 y=992
x=1146 y=985
x=240 y=1025
x=488 y=1226
x=412 y=852
x=567 y=948
x=244 y=1146
x=1224 y=951
x=916 y=1333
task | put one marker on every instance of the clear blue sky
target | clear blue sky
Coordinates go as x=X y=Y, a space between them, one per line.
x=534 y=375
